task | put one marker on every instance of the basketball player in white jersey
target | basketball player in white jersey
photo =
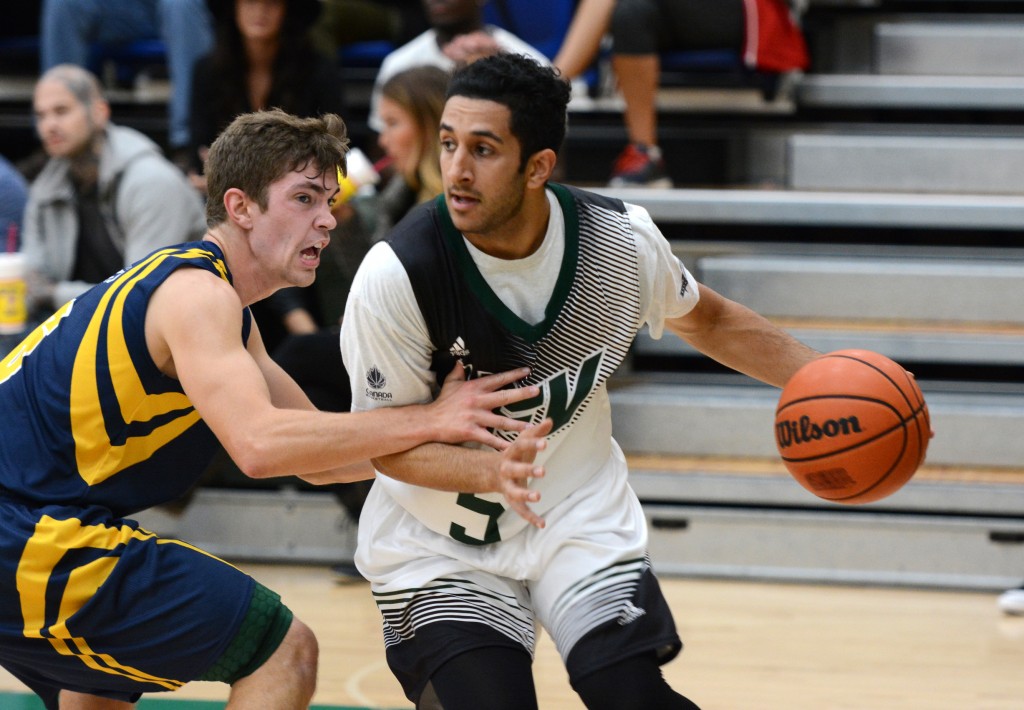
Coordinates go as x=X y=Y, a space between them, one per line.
x=507 y=269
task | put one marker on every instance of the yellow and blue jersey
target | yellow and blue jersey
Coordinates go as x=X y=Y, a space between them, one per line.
x=93 y=431
x=88 y=419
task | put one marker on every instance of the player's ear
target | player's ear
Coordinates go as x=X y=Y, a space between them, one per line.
x=238 y=206
x=539 y=167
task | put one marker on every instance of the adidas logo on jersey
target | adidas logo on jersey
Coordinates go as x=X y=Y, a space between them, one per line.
x=458 y=348
x=630 y=614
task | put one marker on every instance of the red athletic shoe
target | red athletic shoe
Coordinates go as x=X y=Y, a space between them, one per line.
x=640 y=166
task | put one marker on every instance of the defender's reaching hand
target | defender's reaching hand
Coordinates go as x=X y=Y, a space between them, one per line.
x=464 y=410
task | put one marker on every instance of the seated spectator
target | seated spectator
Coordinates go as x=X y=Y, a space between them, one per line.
x=642 y=29
x=105 y=198
x=69 y=28
x=262 y=59
x=13 y=195
x=457 y=35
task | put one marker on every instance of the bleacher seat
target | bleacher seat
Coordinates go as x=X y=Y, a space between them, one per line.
x=364 y=55
x=541 y=23
x=121 y=63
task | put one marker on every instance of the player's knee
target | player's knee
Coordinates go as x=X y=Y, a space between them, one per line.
x=302 y=654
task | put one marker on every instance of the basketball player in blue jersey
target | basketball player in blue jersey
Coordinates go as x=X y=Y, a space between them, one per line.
x=505 y=269
x=115 y=403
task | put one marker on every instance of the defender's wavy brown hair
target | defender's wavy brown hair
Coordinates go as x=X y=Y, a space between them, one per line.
x=258 y=148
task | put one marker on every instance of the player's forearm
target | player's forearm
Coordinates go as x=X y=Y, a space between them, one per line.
x=444 y=467
x=583 y=38
x=298 y=443
x=741 y=339
x=757 y=349
x=360 y=471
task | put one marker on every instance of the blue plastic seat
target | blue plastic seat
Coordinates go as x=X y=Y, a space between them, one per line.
x=368 y=55
x=128 y=58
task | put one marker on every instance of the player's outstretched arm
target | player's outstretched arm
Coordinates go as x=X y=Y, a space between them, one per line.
x=739 y=338
x=226 y=385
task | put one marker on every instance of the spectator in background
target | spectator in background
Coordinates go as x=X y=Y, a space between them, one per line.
x=263 y=59
x=457 y=35
x=105 y=198
x=13 y=195
x=582 y=40
x=69 y=28
x=411 y=102
x=763 y=30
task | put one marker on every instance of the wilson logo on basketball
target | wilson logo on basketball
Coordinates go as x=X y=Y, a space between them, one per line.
x=803 y=430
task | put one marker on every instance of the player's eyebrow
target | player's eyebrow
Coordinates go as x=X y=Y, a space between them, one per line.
x=482 y=133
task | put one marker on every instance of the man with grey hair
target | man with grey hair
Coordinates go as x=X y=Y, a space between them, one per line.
x=106 y=197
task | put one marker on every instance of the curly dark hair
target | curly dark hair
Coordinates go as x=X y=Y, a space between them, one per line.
x=536 y=96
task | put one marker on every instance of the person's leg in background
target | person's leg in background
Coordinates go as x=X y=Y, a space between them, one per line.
x=69 y=28
x=186 y=28
x=637 y=69
x=641 y=30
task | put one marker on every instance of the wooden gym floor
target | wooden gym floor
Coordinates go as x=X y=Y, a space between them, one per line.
x=749 y=646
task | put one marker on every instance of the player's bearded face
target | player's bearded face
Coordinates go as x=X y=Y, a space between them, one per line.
x=480 y=165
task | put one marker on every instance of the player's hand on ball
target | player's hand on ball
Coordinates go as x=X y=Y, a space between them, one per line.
x=464 y=410
x=517 y=467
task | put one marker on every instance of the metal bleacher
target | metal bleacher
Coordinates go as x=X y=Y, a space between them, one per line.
x=877 y=203
x=879 y=207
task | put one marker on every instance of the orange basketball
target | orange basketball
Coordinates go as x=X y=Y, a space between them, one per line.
x=852 y=426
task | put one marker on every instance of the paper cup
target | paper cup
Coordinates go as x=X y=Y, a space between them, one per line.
x=13 y=313
x=360 y=172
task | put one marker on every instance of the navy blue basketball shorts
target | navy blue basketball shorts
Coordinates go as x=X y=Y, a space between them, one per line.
x=98 y=605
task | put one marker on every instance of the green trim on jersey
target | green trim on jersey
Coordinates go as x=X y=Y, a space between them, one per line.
x=531 y=333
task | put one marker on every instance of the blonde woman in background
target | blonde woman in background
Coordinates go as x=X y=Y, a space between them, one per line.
x=410 y=110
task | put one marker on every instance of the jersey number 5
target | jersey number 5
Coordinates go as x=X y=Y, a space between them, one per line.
x=484 y=507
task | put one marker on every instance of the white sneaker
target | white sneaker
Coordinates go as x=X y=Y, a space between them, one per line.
x=1012 y=601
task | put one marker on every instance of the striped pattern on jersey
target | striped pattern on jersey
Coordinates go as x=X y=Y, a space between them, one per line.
x=596 y=599
x=591 y=319
x=457 y=600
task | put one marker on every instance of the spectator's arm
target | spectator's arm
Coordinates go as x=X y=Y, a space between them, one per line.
x=583 y=38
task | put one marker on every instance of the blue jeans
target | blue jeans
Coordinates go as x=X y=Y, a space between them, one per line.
x=69 y=28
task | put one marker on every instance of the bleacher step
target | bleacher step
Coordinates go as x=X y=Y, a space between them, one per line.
x=827 y=208
x=667 y=415
x=962 y=45
x=906 y=163
x=912 y=343
x=865 y=288
x=939 y=92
